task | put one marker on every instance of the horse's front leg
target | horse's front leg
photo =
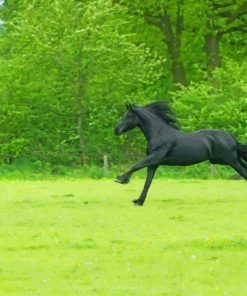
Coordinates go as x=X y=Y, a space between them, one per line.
x=148 y=161
x=150 y=174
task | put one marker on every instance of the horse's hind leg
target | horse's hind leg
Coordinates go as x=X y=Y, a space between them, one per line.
x=243 y=163
x=240 y=167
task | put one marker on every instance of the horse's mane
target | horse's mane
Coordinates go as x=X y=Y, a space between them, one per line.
x=163 y=110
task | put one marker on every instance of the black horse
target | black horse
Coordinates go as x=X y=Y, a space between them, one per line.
x=167 y=145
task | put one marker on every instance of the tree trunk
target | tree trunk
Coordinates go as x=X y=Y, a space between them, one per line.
x=213 y=62
x=79 y=128
x=80 y=82
x=212 y=52
x=173 y=41
x=80 y=116
x=177 y=67
x=172 y=38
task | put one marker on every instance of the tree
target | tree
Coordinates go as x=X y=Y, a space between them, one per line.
x=192 y=31
x=168 y=17
x=222 y=18
x=202 y=105
x=66 y=60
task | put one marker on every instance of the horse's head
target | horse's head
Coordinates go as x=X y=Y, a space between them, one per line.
x=129 y=121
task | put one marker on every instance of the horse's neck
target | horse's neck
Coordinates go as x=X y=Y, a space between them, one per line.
x=153 y=127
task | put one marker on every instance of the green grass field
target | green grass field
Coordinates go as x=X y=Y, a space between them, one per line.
x=84 y=237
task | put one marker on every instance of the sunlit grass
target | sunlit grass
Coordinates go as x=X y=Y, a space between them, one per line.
x=84 y=237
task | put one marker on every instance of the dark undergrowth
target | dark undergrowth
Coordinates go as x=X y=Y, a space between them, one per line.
x=37 y=170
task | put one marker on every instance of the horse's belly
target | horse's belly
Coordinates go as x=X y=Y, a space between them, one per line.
x=187 y=155
x=184 y=161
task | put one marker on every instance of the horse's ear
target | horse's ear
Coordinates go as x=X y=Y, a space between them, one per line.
x=128 y=106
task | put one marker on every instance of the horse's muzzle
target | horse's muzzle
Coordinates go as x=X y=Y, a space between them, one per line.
x=117 y=131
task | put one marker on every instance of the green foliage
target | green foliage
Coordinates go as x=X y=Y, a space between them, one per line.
x=68 y=67
x=68 y=61
x=220 y=103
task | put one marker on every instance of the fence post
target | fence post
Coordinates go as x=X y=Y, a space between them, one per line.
x=213 y=170
x=105 y=164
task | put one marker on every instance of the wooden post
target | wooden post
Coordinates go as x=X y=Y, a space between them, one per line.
x=213 y=170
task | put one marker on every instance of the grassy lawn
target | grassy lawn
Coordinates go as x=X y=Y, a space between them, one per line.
x=84 y=237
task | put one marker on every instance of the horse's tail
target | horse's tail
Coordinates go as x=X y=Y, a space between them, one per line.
x=242 y=151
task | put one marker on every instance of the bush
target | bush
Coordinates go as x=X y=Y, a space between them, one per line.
x=219 y=103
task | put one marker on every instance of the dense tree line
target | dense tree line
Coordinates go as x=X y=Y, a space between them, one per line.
x=67 y=68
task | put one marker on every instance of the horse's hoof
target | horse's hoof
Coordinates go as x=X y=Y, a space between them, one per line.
x=121 y=180
x=137 y=202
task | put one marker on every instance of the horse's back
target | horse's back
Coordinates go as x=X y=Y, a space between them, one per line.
x=202 y=145
x=219 y=138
